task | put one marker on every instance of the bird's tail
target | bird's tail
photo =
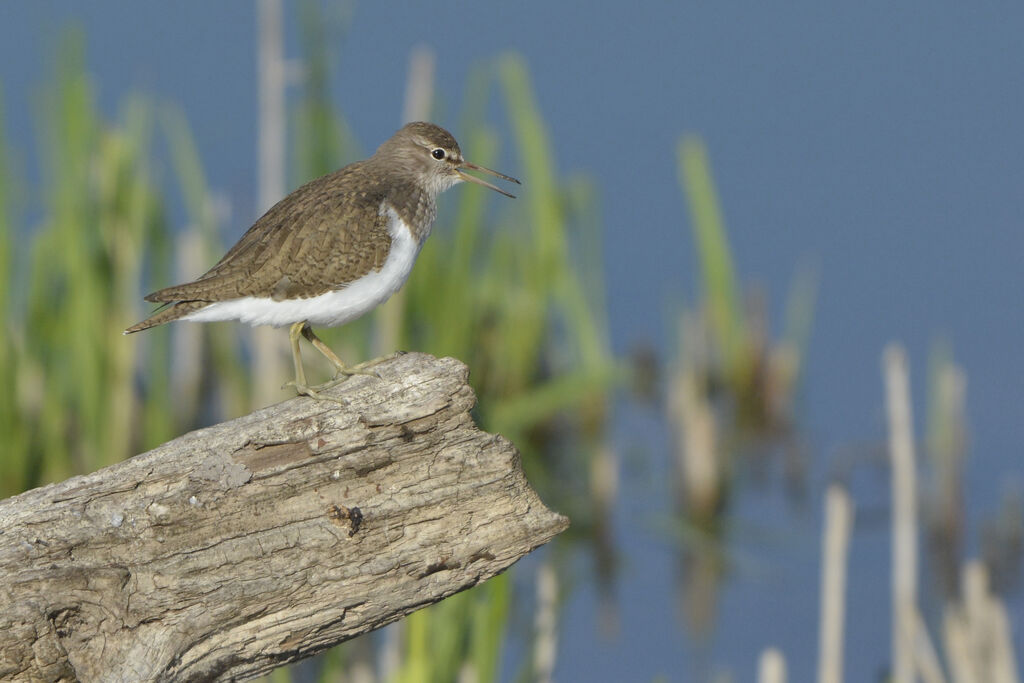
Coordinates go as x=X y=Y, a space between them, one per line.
x=167 y=313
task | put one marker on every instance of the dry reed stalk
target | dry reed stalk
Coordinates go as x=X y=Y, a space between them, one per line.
x=926 y=659
x=693 y=418
x=771 y=667
x=977 y=633
x=835 y=551
x=268 y=344
x=187 y=340
x=904 y=513
x=546 y=624
x=419 y=96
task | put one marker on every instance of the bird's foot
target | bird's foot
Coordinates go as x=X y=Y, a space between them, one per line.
x=363 y=368
x=314 y=392
x=344 y=373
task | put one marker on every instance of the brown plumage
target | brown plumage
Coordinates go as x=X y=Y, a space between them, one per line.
x=334 y=248
x=320 y=237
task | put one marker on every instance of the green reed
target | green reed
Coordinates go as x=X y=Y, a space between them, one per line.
x=759 y=375
x=513 y=288
x=71 y=403
x=13 y=468
x=507 y=296
x=207 y=359
x=731 y=385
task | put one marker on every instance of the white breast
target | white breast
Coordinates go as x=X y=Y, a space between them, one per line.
x=335 y=307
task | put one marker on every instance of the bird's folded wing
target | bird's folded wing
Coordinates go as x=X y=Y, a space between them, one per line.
x=302 y=248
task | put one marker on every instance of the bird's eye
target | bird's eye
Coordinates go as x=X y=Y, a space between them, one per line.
x=438 y=153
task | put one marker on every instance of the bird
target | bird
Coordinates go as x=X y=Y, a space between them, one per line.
x=332 y=250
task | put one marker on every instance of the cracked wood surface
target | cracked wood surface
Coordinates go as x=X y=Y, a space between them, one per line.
x=253 y=543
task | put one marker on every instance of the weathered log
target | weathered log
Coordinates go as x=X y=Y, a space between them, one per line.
x=253 y=543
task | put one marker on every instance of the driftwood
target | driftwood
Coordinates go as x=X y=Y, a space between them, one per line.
x=253 y=543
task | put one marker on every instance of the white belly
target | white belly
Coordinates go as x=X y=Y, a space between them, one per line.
x=333 y=308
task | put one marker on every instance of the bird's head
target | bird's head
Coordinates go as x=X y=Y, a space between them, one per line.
x=433 y=158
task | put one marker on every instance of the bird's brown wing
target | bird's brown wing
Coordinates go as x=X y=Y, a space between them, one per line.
x=322 y=236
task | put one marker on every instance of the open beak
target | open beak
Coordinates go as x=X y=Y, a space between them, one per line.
x=478 y=181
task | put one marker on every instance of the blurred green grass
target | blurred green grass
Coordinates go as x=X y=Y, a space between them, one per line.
x=731 y=387
x=516 y=293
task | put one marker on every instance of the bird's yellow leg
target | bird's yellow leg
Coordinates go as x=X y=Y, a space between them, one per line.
x=293 y=337
x=342 y=370
x=299 y=383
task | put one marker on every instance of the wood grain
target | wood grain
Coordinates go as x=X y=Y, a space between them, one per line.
x=253 y=543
